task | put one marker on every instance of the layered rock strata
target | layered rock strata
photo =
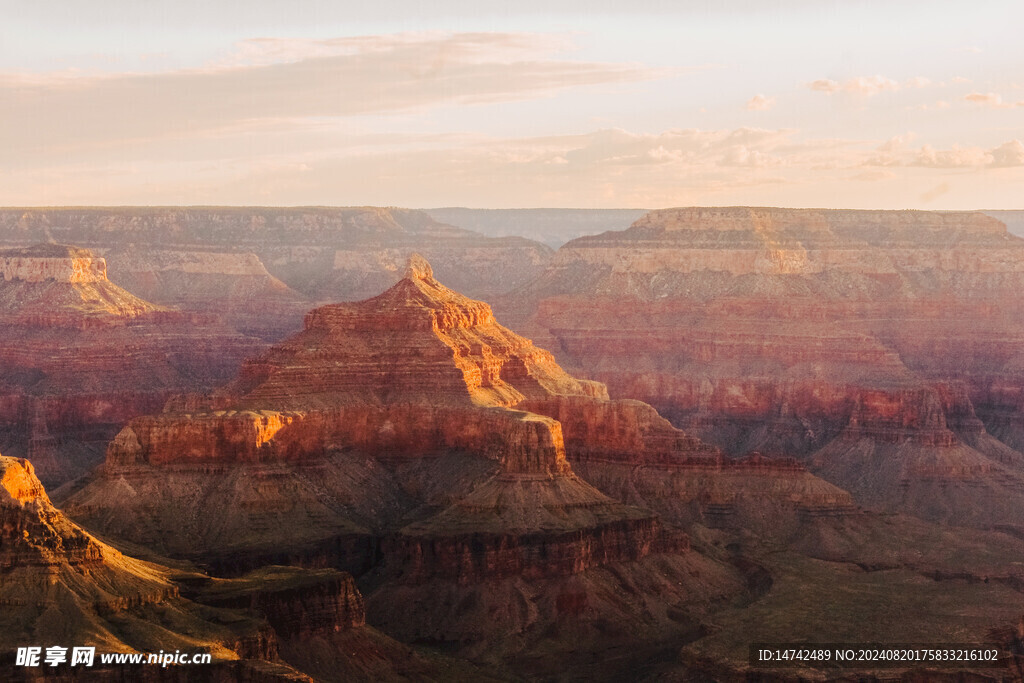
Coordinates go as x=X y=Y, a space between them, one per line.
x=445 y=444
x=62 y=587
x=79 y=356
x=233 y=285
x=787 y=331
x=259 y=265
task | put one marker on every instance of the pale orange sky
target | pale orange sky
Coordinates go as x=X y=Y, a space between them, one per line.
x=791 y=103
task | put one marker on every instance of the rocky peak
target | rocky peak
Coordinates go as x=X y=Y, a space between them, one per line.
x=419 y=341
x=418 y=268
x=18 y=483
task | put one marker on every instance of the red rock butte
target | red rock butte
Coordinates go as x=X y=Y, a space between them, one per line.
x=415 y=370
x=64 y=286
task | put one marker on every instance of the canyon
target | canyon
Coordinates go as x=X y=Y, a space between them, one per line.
x=880 y=348
x=749 y=421
x=553 y=227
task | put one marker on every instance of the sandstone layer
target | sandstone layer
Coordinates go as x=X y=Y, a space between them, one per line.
x=796 y=332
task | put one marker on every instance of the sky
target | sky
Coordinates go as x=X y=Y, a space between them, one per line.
x=647 y=104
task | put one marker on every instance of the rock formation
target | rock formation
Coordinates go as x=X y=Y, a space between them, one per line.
x=790 y=331
x=79 y=356
x=417 y=371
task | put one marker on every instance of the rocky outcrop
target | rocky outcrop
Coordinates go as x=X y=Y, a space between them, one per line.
x=52 y=262
x=53 y=285
x=297 y=603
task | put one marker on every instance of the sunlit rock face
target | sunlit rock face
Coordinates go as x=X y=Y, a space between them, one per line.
x=51 y=262
x=789 y=331
x=418 y=371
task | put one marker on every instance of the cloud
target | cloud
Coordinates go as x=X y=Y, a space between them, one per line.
x=1008 y=154
x=760 y=103
x=898 y=152
x=643 y=168
x=956 y=157
x=601 y=168
x=867 y=86
x=825 y=85
x=992 y=100
x=284 y=80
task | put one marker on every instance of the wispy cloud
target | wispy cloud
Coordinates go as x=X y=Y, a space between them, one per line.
x=867 y=86
x=898 y=152
x=934 y=193
x=760 y=103
x=991 y=100
x=608 y=167
x=274 y=79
